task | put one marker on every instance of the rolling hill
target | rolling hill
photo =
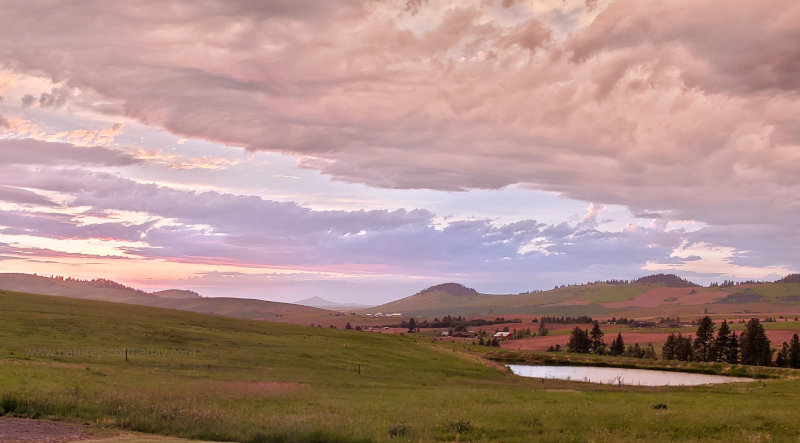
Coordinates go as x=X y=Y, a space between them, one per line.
x=319 y=302
x=651 y=296
x=121 y=367
x=107 y=290
x=659 y=295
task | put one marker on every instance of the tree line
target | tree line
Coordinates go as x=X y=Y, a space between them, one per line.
x=459 y=323
x=564 y=320
x=583 y=341
x=751 y=348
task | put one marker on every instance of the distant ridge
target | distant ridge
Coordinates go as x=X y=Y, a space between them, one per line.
x=177 y=293
x=319 y=302
x=108 y=290
x=595 y=298
x=668 y=280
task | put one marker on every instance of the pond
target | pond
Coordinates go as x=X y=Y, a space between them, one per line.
x=622 y=376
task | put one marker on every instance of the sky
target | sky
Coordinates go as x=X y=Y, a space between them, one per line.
x=362 y=150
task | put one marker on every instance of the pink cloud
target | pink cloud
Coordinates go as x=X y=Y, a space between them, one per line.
x=685 y=108
x=666 y=106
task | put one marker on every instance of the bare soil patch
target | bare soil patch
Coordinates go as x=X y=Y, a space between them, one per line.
x=661 y=296
x=778 y=336
x=573 y=303
x=19 y=430
x=651 y=298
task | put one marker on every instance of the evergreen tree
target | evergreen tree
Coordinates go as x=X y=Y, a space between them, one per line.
x=683 y=348
x=617 y=345
x=650 y=352
x=732 y=352
x=579 y=341
x=668 y=351
x=782 y=357
x=794 y=352
x=719 y=350
x=543 y=329
x=755 y=345
x=634 y=351
x=598 y=345
x=704 y=339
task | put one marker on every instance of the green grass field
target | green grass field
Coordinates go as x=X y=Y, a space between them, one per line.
x=214 y=378
x=439 y=303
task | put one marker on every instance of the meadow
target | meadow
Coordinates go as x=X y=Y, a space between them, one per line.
x=215 y=378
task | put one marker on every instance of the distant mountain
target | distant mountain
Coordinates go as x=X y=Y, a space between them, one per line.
x=319 y=302
x=107 y=290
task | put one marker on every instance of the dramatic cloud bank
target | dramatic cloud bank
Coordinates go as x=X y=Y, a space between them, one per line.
x=248 y=231
x=677 y=110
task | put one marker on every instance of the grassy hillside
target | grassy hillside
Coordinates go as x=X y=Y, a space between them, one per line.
x=457 y=300
x=174 y=298
x=652 y=296
x=219 y=378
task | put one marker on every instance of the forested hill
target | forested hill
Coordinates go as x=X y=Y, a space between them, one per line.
x=649 y=296
x=668 y=280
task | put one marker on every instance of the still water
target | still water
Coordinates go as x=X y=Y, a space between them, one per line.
x=621 y=376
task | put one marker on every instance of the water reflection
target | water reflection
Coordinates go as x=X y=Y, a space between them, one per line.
x=621 y=376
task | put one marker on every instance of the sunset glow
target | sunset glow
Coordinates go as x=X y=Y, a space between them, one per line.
x=366 y=150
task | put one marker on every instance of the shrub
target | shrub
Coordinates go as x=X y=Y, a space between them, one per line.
x=398 y=430
x=8 y=404
x=460 y=426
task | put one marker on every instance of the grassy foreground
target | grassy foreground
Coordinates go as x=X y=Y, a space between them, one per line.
x=215 y=378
